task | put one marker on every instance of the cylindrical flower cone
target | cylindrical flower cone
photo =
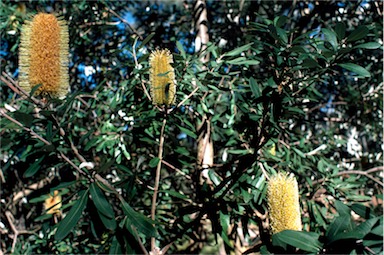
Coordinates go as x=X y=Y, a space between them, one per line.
x=162 y=78
x=43 y=58
x=283 y=203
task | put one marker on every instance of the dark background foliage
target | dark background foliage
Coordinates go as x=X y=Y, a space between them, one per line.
x=289 y=86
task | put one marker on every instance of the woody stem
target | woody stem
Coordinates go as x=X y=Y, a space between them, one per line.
x=157 y=178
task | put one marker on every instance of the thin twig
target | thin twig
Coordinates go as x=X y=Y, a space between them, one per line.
x=189 y=96
x=157 y=178
x=10 y=218
x=358 y=172
x=33 y=133
x=146 y=91
x=126 y=22
x=74 y=165
x=145 y=252
x=12 y=84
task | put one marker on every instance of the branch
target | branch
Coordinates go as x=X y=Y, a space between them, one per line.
x=33 y=133
x=157 y=178
x=10 y=218
x=366 y=173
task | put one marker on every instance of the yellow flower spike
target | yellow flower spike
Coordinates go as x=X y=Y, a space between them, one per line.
x=43 y=58
x=283 y=203
x=162 y=78
x=53 y=203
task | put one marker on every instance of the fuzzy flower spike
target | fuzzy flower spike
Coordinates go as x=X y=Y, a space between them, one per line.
x=162 y=78
x=43 y=58
x=283 y=203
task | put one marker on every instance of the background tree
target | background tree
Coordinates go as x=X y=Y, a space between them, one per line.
x=287 y=87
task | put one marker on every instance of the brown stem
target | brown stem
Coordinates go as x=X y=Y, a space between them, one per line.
x=157 y=179
x=33 y=133
x=365 y=173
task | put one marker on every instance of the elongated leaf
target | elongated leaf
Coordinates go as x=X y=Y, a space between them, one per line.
x=101 y=202
x=115 y=247
x=175 y=194
x=142 y=223
x=359 y=70
x=237 y=51
x=359 y=232
x=340 y=30
x=358 y=34
x=254 y=87
x=187 y=131
x=73 y=216
x=342 y=209
x=109 y=223
x=23 y=117
x=340 y=225
x=145 y=41
x=363 y=211
x=154 y=162
x=366 y=227
x=181 y=49
x=331 y=37
x=282 y=35
x=369 y=46
x=32 y=169
x=300 y=153
x=306 y=241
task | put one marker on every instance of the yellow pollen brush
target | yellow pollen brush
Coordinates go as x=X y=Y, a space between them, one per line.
x=43 y=58
x=283 y=203
x=162 y=78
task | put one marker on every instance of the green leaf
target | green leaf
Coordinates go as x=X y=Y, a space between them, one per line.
x=342 y=209
x=331 y=37
x=32 y=169
x=66 y=225
x=282 y=35
x=306 y=241
x=142 y=223
x=369 y=46
x=359 y=232
x=254 y=87
x=115 y=247
x=340 y=225
x=101 y=202
x=363 y=211
x=340 y=30
x=154 y=162
x=366 y=227
x=175 y=194
x=181 y=49
x=238 y=50
x=34 y=89
x=300 y=153
x=187 y=131
x=358 y=34
x=109 y=223
x=359 y=70
x=25 y=118
x=146 y=40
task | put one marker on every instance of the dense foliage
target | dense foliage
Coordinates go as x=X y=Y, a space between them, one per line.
x=289 y=86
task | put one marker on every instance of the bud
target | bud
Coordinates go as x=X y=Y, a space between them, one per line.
x=283 y=203
x=53 y=203
x=43 y=58
x=162 y=78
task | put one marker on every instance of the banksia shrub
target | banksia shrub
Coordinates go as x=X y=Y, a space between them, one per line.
x=283 y=203
x=162 y=78
x=43 y=58
x=53 y=203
